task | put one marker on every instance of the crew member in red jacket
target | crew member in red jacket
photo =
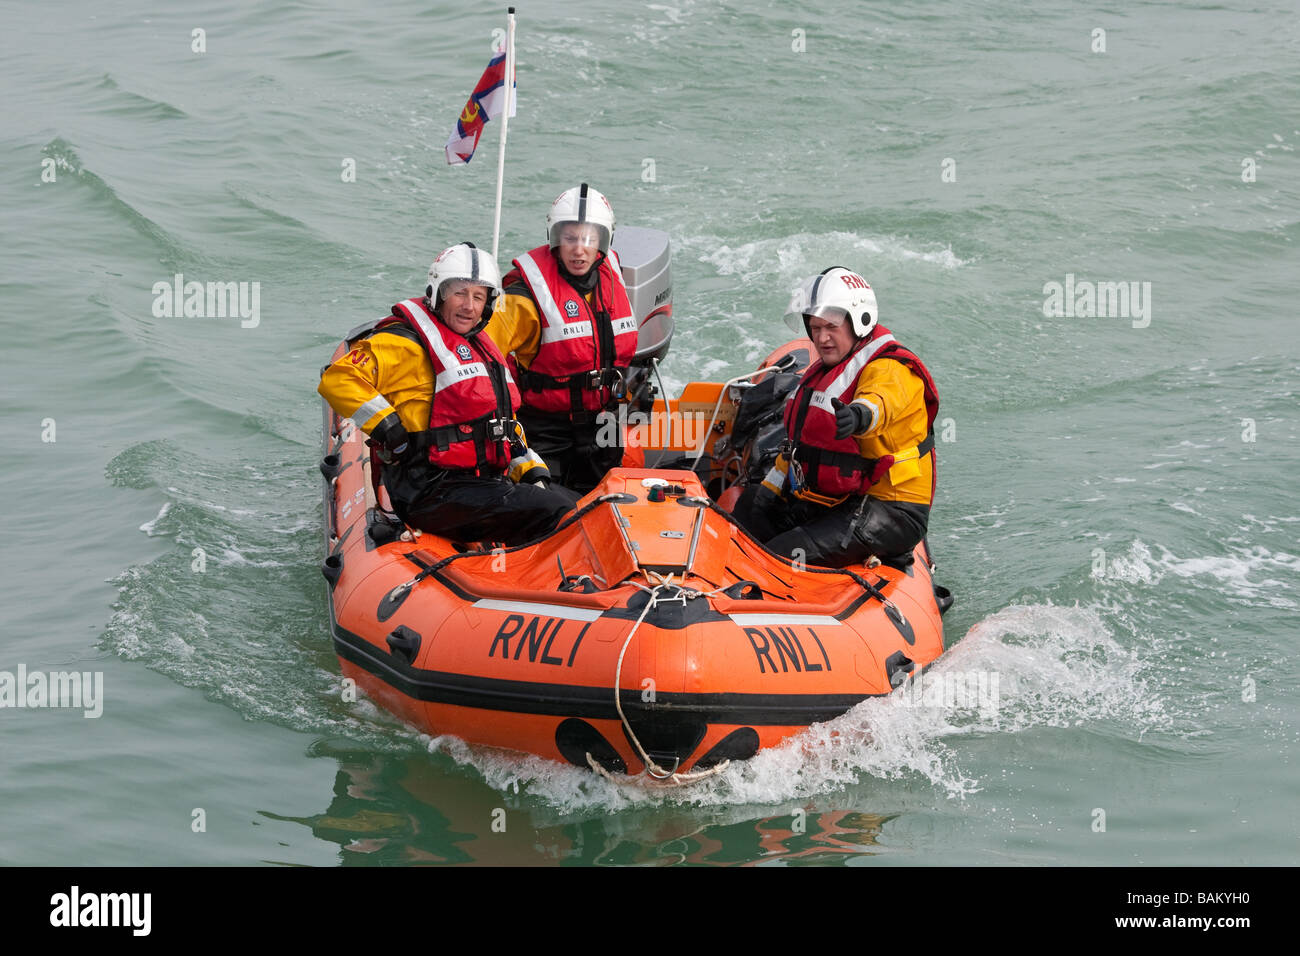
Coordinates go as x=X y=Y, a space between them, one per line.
x=438 y=401
x=568 y=328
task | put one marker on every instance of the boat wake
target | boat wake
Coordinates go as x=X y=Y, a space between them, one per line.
x=787 y=257
x=1247 y=574
x=1023 y=667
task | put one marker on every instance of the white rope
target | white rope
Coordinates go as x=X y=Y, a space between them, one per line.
x=669 y=777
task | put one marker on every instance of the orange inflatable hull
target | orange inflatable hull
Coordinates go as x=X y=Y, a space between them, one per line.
x=551 y=648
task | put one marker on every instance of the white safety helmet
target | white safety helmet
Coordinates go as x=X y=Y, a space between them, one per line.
x=581 y=204
x=834 y=292
x=465 y=262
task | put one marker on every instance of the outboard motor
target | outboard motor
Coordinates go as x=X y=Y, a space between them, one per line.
x=644 y=256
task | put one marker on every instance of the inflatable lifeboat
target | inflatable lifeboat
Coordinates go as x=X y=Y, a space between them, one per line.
x=648 y=633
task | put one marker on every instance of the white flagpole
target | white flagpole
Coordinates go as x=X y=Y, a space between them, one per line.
x=505 y=121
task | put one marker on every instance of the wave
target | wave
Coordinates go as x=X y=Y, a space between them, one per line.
x=1245 y=574
x=1054 y=666
x=173 y=251
x=791 y=257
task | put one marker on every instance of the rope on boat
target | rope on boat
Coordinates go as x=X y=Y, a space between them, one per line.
x=652 y=768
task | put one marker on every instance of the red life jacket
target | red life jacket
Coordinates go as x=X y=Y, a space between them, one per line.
x=472 y=387
x=836 y=467
x=583 y=352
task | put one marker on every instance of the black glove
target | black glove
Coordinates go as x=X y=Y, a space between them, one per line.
x=850 y=419
x=394 y=443
x=765 y=498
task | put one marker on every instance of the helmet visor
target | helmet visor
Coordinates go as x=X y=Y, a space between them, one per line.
x=573 y=234
x=797 y=316
x=452 y=286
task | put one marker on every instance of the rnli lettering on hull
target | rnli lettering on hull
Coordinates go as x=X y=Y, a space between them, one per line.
x=772 y=644
x=539 y=635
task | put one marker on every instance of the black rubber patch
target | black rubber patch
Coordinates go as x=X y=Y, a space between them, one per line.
x=663 y=570
x=379 y=530
x=668 y=614
x=576 y=738
x=744 y=590
x=901 y=623
x=389 y=604
x=338 y=471
x=943 y=597
x=901 y=562
x=897 y=666
x=332 y=567
x=738 y=745
x=669 y=738
x=580 y=583
x=404 y=643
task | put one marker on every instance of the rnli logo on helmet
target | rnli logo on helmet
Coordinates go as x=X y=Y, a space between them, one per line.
x=463 y=353
x=571 y=309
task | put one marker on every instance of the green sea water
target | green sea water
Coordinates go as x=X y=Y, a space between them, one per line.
x=1117 y=511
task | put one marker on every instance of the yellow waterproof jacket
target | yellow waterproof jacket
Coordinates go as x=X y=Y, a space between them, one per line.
x=895 y=396
x=517 y=327
x=384 y=373
x=389 y=372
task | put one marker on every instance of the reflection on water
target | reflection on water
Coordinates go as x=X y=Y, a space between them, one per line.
x=412 y=810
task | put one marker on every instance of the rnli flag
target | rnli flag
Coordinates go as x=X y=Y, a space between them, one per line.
x=485 y=103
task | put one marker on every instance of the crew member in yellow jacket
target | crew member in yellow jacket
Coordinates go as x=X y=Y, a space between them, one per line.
x=436 y=397
x=855 y=477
